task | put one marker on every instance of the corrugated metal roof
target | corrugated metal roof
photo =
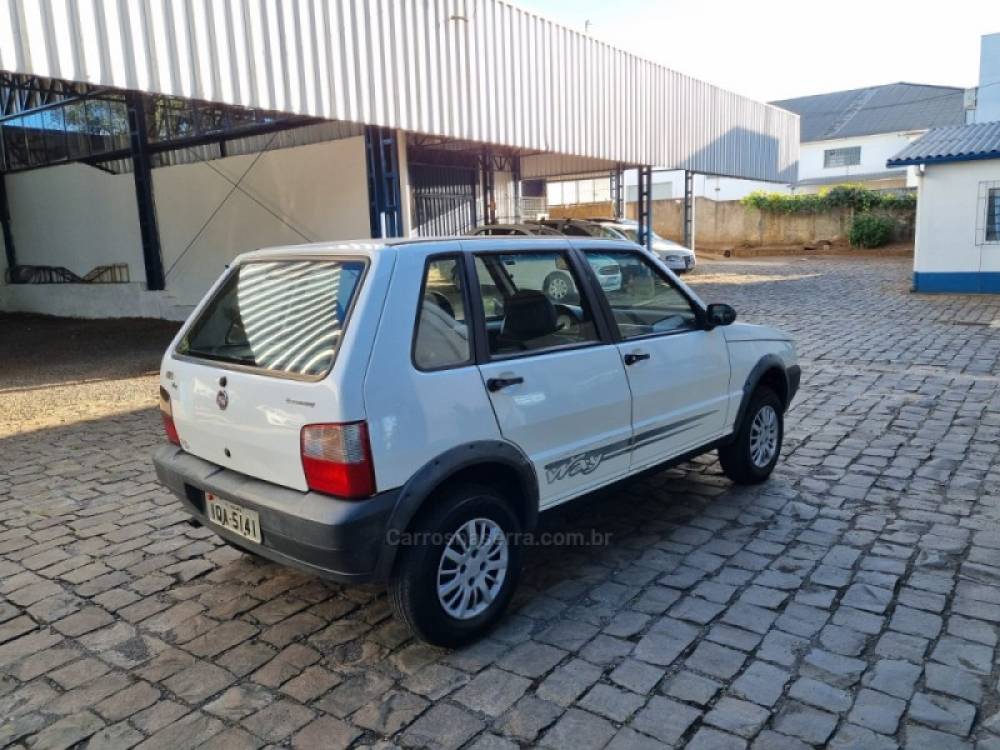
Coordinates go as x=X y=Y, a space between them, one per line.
x=480 y=70
x=964 y=143
x=894 y=108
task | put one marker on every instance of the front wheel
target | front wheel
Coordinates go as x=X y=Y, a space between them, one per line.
x=458 y=567
x=752 y=455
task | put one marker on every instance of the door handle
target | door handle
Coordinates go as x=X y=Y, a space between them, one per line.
x=496 y=384
x=632 y=357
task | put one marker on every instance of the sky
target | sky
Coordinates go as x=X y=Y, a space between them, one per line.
x=778 y=49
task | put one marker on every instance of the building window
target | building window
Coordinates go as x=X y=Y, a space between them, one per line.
x=988 y=215
x=842 y=157
x=993 y=215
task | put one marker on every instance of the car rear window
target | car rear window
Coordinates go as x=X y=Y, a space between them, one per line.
x=284 y=316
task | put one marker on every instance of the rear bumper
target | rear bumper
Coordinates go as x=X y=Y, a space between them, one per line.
x=341 y=540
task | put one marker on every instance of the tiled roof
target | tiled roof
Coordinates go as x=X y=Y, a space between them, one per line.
x=963 y=143
x=894 y=108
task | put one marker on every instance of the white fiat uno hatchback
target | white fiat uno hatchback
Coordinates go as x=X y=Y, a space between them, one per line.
x=402 y=411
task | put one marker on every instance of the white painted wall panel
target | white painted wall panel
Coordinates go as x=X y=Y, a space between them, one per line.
x=77 y=217
x=80 y=217
x=305 y=194
x=949 y=210
x=476 y=69
x=875 y=151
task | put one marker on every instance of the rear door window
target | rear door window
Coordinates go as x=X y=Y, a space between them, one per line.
x=284 y=316
x=531 y=302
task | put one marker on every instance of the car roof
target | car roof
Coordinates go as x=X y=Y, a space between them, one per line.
x=370 y=248
x=527 y=227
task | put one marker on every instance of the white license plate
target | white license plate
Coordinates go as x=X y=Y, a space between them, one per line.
x=236 y=518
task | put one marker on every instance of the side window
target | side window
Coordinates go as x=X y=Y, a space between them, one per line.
x=531 y=302
x=442 y=335
x=643 y=300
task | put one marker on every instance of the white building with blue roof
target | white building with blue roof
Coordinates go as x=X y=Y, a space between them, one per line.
x=957 y=246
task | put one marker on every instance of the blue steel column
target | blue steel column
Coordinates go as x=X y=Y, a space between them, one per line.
x=8 y=232
x=385 y=209
x=142 y=173
x=645 y=212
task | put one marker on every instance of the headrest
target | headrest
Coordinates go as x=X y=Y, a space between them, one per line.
x=528 y=315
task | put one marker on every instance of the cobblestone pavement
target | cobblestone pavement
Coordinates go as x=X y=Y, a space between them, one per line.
x=851 y=600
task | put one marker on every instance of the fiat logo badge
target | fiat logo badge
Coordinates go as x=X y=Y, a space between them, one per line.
x=222 y=400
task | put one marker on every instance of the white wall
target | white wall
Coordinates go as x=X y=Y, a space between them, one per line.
x=290 y=196
x=875 y=151
x=666 y=185
x=705 y=186
x=948 y=213
x=90 y=301
x=77 y=217
x=988 y=95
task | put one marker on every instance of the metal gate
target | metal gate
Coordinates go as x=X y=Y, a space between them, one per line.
x=444 y=199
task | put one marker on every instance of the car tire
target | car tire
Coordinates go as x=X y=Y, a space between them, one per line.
x=558 y=287
x=426 y=589
x=752 y=455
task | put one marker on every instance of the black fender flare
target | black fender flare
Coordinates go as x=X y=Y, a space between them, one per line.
x=764 y=364
x=425 y=480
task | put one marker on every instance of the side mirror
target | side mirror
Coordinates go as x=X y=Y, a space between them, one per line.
x=720 y=314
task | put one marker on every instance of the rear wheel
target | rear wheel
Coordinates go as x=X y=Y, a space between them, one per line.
x=458 y=566
x=752 y=455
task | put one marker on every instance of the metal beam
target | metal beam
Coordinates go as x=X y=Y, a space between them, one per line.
x=515 y=168
x=645 y=212
x=5 y=224
x=689 y=209
x=142 y=173
x=489 y=194
x=385 y=211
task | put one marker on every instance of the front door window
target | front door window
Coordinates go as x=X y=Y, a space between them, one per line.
x=646 y=302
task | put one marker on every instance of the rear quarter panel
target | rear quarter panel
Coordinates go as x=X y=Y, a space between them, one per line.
x=415 y=416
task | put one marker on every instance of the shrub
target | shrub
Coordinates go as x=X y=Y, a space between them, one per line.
x=869 y=230
x=842 y=196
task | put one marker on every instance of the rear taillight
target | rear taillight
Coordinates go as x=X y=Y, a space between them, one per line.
x=337 y=459
x=168 y=417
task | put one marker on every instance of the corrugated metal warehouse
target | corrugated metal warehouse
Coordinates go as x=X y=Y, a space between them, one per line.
x=147 y=142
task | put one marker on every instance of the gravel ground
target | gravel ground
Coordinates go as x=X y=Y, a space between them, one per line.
x=58 y=370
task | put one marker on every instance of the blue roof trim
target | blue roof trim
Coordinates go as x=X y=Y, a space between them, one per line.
x=915 y=161
x=974 y=142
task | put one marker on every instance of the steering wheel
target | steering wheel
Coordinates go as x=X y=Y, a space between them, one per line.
x=441 y=301
x=566 y=317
